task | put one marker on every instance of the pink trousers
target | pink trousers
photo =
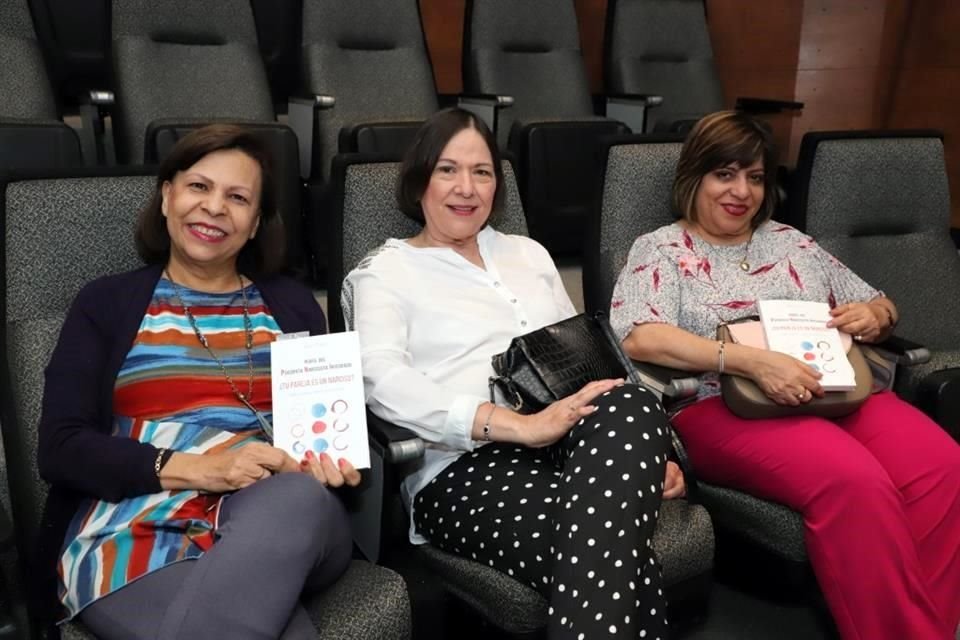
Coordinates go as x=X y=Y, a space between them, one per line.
x=879 y=491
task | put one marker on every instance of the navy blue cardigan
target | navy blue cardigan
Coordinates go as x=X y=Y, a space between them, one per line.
x=76 y=453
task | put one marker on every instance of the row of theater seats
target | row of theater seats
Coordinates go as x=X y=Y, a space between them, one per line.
x=362 y=81
x=878 y=201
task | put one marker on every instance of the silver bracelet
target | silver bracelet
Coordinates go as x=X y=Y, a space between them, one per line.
x=486 y=424
x=720 y=358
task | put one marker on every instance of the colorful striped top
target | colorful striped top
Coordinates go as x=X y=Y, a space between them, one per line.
x=171 y=393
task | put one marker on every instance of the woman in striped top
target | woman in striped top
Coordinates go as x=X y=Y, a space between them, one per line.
x=155 y=433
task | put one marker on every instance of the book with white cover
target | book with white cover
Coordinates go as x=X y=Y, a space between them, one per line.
x=318 y=400
x=799 y=328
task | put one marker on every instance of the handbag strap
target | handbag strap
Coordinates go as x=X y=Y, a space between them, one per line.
x=507 y=389
x=633 y=375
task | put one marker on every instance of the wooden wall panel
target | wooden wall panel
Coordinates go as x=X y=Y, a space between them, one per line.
x=443 y=27
x=838 y=76
x=755 y=46
x=926 y=92
x=591 y=16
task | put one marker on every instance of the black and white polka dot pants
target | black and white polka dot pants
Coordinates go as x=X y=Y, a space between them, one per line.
x=574 y=520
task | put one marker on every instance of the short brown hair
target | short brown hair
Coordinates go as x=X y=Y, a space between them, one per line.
x=716 y=141
x=421 y=158
x=260 y=256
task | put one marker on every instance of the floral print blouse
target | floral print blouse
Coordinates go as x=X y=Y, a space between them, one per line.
x=675 y=277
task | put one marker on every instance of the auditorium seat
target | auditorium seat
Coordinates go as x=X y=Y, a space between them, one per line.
x=180 y=64
x=662 y=48
x=757 y=537
x=365 y=67
x=530 y=51
x=880 y=202
x=61 y=231
x=32 y=135
x=366 y=215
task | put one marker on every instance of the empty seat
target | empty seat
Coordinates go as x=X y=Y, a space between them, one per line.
x=181 y=64
x=179 y=61
x=370 y=59
x=31 y=132
x=662 y=48
x=531 y=51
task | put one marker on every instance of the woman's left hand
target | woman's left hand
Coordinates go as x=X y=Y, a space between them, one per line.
x=332 y=475
x=674 y=485
x=859 y=319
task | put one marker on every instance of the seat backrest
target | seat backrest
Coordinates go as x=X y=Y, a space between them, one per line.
x=529 y=50
x=186 y=60
x=370 y=55
x=662 y=47
x=58 y=234
x=25 y=89
x=879 y=202
x=278 y=34
x=635 y=199
x=366 y=215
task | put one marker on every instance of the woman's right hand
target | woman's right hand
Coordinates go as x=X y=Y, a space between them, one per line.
x=227 y=470
x=552 y=423
x=784 y=379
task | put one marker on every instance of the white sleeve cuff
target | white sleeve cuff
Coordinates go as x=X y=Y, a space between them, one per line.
x=458 y=429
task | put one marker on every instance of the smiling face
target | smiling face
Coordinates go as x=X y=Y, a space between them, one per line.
x=727 y=200
x=459 y=196
x=212 y=210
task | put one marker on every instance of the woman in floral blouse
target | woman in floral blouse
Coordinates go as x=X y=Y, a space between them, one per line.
x=879 y=489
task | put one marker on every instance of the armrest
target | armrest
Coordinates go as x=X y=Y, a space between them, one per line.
x=766 y=105
x=301 y=116
x=631 y=109
x=647 y=99
x=486 y=107
x=94 y=105
x=488 y=98
x=670 y=383
x=902 y=351
x=679 y=453
x=398 y=444
x=7 y=538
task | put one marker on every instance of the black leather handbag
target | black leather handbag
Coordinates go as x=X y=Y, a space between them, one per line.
x=542 y=366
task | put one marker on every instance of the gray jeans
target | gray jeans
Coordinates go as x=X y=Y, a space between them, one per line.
x=277 y=538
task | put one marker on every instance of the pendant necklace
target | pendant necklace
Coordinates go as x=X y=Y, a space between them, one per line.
x=743 y=262
x=244 y=398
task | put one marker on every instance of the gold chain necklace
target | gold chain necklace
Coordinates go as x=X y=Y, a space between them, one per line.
x=743 y=263
x=244 y=398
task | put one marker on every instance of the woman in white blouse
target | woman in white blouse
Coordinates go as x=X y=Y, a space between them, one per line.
x=565 y=499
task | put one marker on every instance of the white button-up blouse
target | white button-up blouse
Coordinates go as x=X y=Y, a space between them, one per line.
x=429 y=322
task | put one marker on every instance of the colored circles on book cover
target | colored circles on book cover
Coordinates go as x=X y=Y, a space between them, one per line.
x=318 y=402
